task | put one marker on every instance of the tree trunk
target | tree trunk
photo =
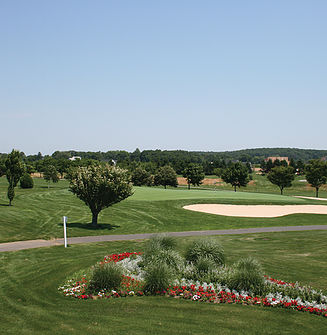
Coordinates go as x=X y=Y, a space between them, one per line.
x=281 y=191
x=9 y=202
x=317 y=191
x=95 y=220
x=235 y=188
x=165 y=186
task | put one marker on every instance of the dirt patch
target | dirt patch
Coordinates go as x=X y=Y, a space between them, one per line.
x=205 y=181
x=259 y=211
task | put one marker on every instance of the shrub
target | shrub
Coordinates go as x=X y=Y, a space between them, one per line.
x=161 y=241
x=157 y=278
x=171 y=258
x=106 y=276
x=207 y=248
x=26 y=181
x=247 y=276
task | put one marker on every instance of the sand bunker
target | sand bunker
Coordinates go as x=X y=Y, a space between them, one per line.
x=258 y=211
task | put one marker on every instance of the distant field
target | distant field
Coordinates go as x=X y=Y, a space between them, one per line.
x=260 y=184
x=37 y=213
x=31 y=303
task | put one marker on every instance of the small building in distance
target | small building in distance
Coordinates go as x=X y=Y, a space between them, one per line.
x=278 y=158
x=74 y=158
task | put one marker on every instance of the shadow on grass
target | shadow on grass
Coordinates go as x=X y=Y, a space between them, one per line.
x=101 y=226
x=4 y=205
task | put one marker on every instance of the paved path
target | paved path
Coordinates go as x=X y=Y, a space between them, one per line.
x=20 y=245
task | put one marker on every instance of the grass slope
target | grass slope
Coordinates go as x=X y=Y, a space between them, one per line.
x=31 y=304
x=36 y=213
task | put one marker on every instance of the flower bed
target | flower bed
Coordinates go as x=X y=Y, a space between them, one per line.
x=132 y=285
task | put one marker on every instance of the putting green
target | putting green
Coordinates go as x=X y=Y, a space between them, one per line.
x=159 y=194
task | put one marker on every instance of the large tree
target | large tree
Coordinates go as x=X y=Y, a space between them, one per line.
x=100 y=186
x=166 y=176
x=316 y=174
x=14 y=169
x=194 y=174
x=236 y=174
x=282 y=176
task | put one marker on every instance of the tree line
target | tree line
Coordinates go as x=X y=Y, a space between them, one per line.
x=151 y=160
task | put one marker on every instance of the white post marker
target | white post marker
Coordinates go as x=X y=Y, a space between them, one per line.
x=64 y=219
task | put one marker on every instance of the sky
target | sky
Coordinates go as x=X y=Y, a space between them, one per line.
x=209 y=75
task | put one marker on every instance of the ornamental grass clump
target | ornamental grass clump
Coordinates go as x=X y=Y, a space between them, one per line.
x=161 y=241
x=207 y=248
x=247 y=276
x=157 y=278
x=107 y=276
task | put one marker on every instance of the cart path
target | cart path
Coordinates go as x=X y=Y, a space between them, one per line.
x=20 y=245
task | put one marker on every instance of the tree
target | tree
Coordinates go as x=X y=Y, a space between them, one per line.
x=316 y=174
x=194 y=175
x=166 y=176
x=141 y=177
x=50 y=173
x=100 y=186
x=282 y=176
x=14 y=169
x=236 y=174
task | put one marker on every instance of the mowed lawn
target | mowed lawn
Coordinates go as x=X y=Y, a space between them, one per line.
x=37 y=213
x=31 y=304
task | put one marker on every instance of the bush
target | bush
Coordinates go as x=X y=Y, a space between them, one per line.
x=247 y=276
x=106 y=276
x=205 y=248
x=157 y=278
x=26 y=181
x=161 y=241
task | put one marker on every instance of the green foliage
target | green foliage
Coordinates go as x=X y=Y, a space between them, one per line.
x=159 y=250
x=205 y=247
x=194 y=174
x=236 y=174
x=14 y=170
x=316 y=174
x=160 y=241
x=141 y=177
x=247 y=276
x=157 y=278
x=26 y=181
x=166 y=176
x=100 y=187
x=50 y=173
x=281 y=176
x=106 y=276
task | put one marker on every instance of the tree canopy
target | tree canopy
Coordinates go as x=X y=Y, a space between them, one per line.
x=50 y=173
x=166 y=176
x=236 y=174
x=194 y=174
x=100 y=186
x=282 y=176
x=316 y=174
x=14 y=169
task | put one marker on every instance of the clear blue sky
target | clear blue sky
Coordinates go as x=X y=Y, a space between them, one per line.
x=169 y=74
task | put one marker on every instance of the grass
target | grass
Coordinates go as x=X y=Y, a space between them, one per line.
x=260 y=184
x=31 y=304
x=36 y=213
